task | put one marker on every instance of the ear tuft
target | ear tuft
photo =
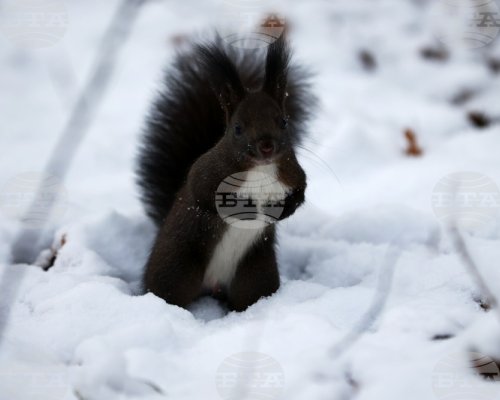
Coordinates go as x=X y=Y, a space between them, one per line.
x=276 y=77
x=222 y=75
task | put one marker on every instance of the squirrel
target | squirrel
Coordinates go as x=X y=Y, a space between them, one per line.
x=227 y=116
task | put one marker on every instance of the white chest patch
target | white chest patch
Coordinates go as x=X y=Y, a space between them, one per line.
x=262 y=185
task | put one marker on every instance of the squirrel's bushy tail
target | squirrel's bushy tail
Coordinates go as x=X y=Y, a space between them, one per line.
x=187 y=119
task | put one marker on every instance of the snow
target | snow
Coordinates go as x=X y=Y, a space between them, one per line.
x=84 y=330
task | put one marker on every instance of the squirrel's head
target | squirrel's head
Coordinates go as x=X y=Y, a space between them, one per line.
x=256 y=121
x=258 y=128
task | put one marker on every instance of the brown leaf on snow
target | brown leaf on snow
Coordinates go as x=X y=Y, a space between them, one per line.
x=48 y=257
x=435 y=53
x=479 y=119
x=413 y=149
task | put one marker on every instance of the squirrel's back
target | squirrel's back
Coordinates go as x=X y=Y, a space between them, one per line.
x=187 y=119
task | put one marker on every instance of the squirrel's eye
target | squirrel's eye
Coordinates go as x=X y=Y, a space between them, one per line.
x=284 y=123
x=237 y=130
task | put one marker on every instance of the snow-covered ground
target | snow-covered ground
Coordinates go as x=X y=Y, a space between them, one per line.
x=370 y=235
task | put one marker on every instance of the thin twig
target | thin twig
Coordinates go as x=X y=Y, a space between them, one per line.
x=83 y=113
x=461 y=248
x=25 y=245
x=376 y=308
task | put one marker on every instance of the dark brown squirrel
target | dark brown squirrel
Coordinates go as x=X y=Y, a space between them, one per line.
x=225 y=115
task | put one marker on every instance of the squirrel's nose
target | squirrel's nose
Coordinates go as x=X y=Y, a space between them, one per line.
x=266 y=147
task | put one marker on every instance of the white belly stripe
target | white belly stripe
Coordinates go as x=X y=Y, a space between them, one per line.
x=236 y=241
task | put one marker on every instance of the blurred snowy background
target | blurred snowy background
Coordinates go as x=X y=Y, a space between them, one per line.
x=376 y=302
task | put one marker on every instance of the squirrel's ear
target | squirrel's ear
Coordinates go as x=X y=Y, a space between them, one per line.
x=277 y=61
x=222 y=76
